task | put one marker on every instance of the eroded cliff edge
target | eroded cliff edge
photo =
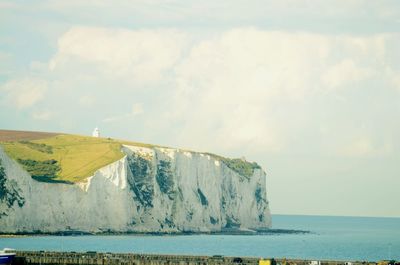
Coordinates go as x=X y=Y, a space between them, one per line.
x=148 y=190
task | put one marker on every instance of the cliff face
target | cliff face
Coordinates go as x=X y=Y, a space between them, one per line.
x=148 y=190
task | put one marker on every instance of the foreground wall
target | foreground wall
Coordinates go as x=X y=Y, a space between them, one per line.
x=148 y=190
x=55 y=258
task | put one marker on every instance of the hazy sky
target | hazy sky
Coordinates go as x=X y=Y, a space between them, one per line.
x=308 y=89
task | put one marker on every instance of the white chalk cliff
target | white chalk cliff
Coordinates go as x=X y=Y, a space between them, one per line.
x=148 y=190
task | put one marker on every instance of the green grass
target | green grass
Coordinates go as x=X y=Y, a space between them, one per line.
x=41 y=169
x=74 y=158
x=240 y=166
x=39 y=147
x=69 y=158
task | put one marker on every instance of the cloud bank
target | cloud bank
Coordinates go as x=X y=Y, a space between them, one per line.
x=241 y=89
x=316 y=109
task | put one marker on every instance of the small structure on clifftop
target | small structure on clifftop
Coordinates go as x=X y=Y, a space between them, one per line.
x=96 y=132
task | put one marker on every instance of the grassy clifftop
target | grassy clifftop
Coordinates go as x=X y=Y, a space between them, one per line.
x=63 y=158
x=67 y=158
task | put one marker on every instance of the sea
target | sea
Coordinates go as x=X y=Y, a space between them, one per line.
x=330 y=238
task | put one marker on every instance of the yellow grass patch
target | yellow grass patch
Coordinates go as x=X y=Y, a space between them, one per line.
x=78 y=156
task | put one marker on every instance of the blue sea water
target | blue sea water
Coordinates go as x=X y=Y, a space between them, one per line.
x=338 y=238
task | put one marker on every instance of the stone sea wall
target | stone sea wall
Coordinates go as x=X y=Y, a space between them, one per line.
x=93 y=258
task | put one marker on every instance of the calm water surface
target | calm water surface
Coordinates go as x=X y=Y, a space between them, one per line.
x=340 y=238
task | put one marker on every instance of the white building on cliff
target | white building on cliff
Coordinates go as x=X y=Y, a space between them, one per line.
x=96 y=132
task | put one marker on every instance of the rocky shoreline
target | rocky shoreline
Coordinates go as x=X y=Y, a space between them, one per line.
x=225 y=232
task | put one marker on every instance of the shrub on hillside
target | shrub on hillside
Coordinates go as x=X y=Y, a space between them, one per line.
x=39 y=147
x=41 y=169
x=241 y=166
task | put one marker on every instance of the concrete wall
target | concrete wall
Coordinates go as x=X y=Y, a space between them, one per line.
x=93 y=258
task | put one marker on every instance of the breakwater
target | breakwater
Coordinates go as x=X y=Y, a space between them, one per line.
x=94 y=258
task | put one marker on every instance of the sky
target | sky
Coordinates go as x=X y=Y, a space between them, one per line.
x=310 y=90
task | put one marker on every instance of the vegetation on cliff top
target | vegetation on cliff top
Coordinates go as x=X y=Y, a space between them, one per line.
x=63 y=157
x=69 y=158
x=72 y=158
x=46 y=170
x=239 y=165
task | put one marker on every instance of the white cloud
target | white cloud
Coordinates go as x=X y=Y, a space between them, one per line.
x=391 y=73
x=8 y=5
x=365 y=146
x=344 y=72
x=241 y=84
x=4 y=56
x=273 y=64
x=396 y=81
x=115 y=118
x=393 y=78
x=239 y=88
x=24 y=93
x=43 y=115
x=137 y=109
x=143 y=56
x=5 y=63
x=37 y=66
x=87 y=101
